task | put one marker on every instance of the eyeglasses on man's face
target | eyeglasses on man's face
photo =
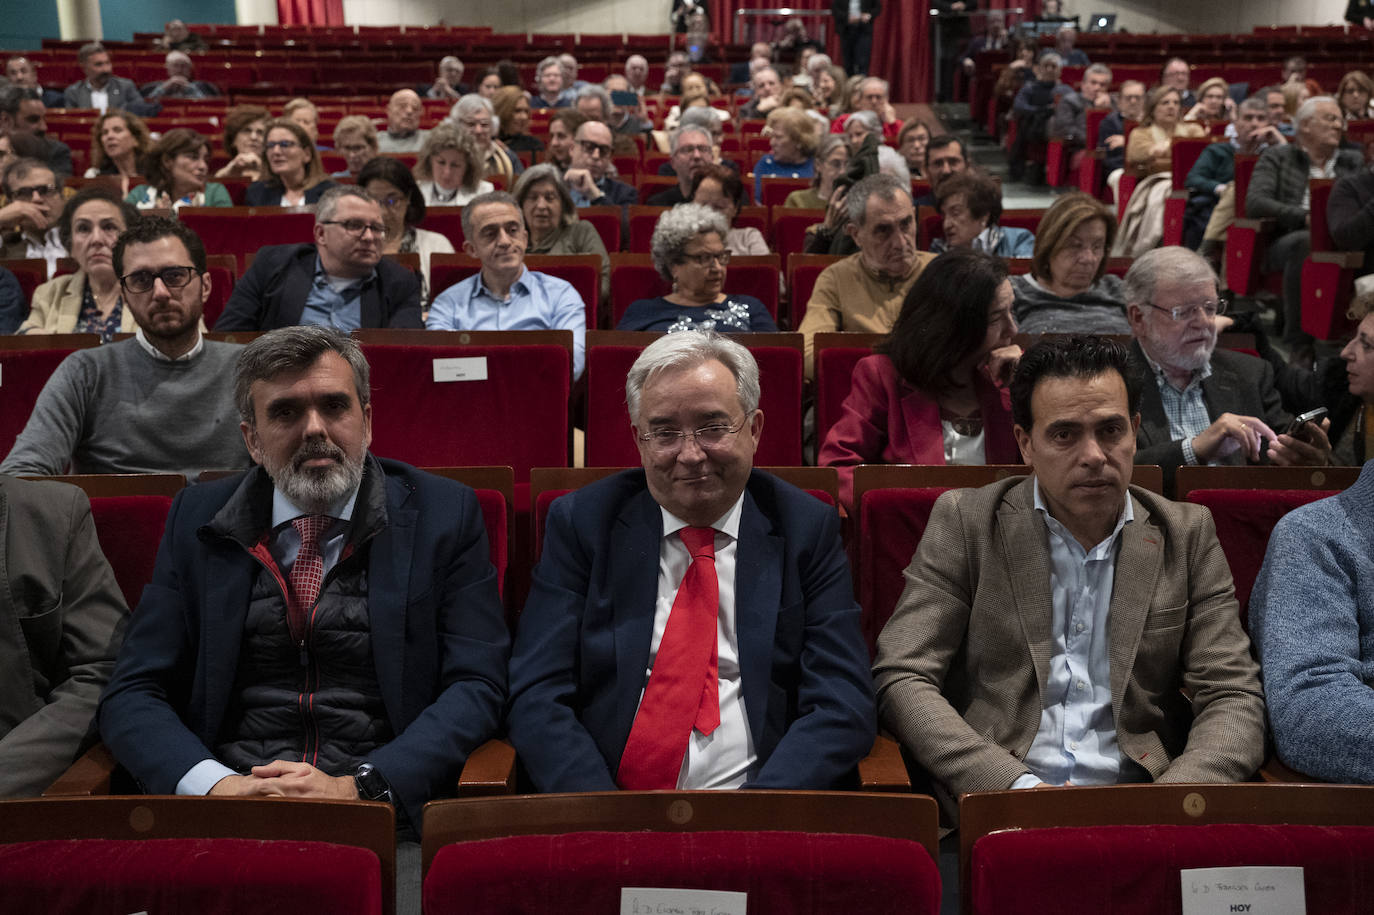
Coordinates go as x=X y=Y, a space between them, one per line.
x=713 y=435
x=141 y=281
x=357 y=227
x=1181 y=313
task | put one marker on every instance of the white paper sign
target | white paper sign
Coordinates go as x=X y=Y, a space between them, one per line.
x=1246 y=890
x=647 y=900
x=472 y=368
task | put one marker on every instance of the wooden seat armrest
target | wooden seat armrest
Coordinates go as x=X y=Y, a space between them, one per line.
x=883 y=769
x=89 y=775
x=1346 y=260
x=490 y=770
x=1263 y=226
x=1275 y=772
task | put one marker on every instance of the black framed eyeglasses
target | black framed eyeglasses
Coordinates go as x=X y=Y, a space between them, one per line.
x=143 y=280
x=356 y=227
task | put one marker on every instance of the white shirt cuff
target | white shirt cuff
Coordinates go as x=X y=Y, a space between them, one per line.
x=1022 y=781
x=1189 y=457
x=203 y=776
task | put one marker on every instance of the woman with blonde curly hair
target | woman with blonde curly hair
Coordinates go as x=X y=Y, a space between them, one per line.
x=118 y=141
x=793 y=136
x=450 y=169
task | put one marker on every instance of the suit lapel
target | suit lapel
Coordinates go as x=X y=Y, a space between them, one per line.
x=758 y=595
x=1026 y=551
x=1219 y=389
x=1154 y=424
x=635 y=538
x=17 y=701
x=921 y=419
x=228 y=571
x=1137 y=568
x=295 y=289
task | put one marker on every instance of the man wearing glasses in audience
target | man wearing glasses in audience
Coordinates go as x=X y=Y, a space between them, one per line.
x=691 y=624
x=29 y=219
x=157 y=403
x=1202 y=405
x=340 y=281
x=588 y=180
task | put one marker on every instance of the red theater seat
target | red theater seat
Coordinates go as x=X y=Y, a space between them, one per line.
x=26 y=364
x=495 y=489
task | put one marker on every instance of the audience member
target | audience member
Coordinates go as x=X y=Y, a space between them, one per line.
x=180 y=81
x=34 y=193
x=594 y=102
x=936 y=391
x=690 y=250
x=675 y=68
x=391 y=184
x=119 y=141
x=177 y=37
x=588 y=179
x=970 y=673
x=1360 y=12
x=767 y=88
x=512 y=110
x=22 y=112
x=760 y=55
x=1064 y=41
x=449 y=83
x=87 y=301
x=490 y=82
x=549 y=81
x=1353 y=94
x=627 y=111
x=832 y=157
x=1068 y=289
x=970 y=206
x=793 y=138
x=175 y=169
x=403 y=133
x=304 y=113
x=1069 y=121
x=299 y=557
x=1211 y=180
x=64 y=619
x=155 y=403
x=1111 y=133
x=945 y=157
x=563 y=127
x=504 y=294
x=450 y=169
x=1312 y=609
x=1149 y=154
x=858 y=125
x=1279 y=190
x=637 y=72
x=551 y=219
x=100 y=89
x=693 y=402
x=568 y=64
x=295 y=177
x=873 y=96
x=864 y=292
x=1214 y=103
x=340 y=281
x=245 y=131
x=721 y=189
x=695 y=94
x=355 y=138
x=475 y=115
x=1033 y=109
x=994 y=38
x=1202 y=405
x=911 y=143
x=1015 y=75
x=14 y=305
x=1177 y=74
x=827 y=87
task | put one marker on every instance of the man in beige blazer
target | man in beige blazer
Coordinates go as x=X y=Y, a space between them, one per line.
x=1051 y=625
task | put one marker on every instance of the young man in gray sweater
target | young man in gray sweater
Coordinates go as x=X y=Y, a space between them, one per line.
x=160 y=403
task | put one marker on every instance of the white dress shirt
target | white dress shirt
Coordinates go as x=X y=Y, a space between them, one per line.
x=721 y=759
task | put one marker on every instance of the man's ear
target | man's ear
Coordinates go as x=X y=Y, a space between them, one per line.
x=1023 y=443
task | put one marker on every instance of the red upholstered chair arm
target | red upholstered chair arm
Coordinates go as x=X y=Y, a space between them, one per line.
x=490 y=769
x=883 y=769
x=89 y=775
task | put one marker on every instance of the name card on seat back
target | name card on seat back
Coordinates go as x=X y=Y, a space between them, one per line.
x=644 y=900
x=1248 y=890
x=467 y=368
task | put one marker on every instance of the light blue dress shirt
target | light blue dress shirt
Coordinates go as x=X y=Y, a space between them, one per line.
x=1076 y=741
x=339 y=308
x=284 y=545
x=537 y=301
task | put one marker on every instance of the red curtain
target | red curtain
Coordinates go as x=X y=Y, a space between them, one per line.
x=902 y=52
x=310 y=12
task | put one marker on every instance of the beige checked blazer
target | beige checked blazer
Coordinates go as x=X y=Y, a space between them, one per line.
x=962 y=664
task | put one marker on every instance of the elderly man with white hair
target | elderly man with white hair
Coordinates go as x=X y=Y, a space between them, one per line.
x=873 y=96
x=180 y=82
x=403 y=133
x=449 y=83
x=637 y=72
x=1279 y=190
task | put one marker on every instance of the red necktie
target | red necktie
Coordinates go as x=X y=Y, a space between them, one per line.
x=682 y=692
x=307 y=572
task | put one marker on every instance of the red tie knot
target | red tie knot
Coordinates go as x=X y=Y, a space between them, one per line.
x=700 y=541
x=310 y=527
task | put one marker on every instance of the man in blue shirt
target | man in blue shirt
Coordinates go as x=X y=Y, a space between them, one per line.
x=504 y=295
x=340 y=281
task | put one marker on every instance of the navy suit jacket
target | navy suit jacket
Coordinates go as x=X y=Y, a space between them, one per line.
x=272 y=293
x=583 y=643
x=439 y=639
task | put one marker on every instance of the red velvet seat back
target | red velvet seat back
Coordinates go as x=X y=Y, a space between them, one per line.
x=611 y=444
x=31 y=273
x=803 y=270
x=891 y=522
x=790 y=225
x=517 y=416
x=782 y=872
x=130 y=529
x=447 y=221
x=22 y=376
x=1245 y=518
x=241 y=230
x=204 y=876
x=644 y=219
x=632 y=280
x=606 y=221
x=834 y=371
x=776 y=190
x=1134 y=870
x=1321 y=231
x=497 y=522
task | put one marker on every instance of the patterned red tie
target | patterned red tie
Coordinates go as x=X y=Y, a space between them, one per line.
x=307 y=572
x=682 y=692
